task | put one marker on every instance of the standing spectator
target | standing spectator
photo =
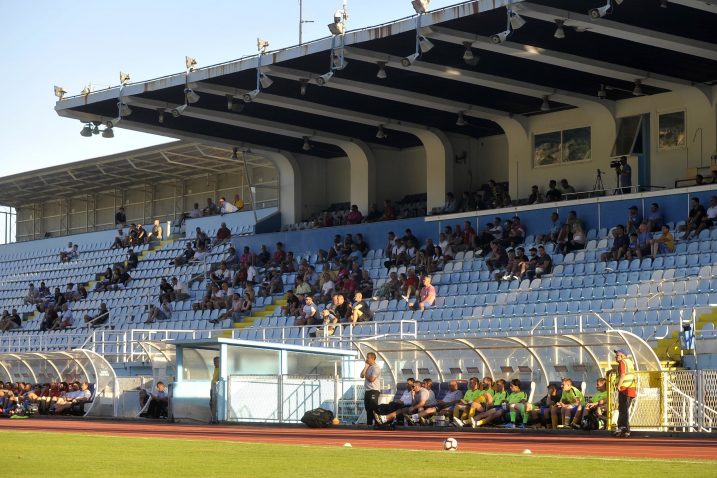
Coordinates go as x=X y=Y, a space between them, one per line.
x=371 y=374
x=120 y=217
x=627 y=391
x=354 y=216
x=624 y=173
x=654 y=218
x=226 y=207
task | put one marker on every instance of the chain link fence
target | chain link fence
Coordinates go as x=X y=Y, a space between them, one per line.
x=681 y=400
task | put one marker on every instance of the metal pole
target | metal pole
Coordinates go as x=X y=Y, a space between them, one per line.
x=251 y=193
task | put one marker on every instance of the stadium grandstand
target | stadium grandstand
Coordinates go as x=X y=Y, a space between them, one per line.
x=516 y=189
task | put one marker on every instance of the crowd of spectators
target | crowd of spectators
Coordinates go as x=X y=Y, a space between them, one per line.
x=137 y=235
x=486 y=402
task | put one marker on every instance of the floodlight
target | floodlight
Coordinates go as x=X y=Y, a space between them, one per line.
x=179 y=110
x=160 y=117
x=190 y=63
x=307 y=144
x=249 y=97
x=96 y=128
x=338 y=62
x=516 y=21
x=637 y=91
x=408 y=61
x=468 y=56
x=124 y=109
x=600 y=12
x=325 y=78
x=381 y=134
x=420 y=6
x=302 y=86
x=124 y=78
x=60 y=92
x=191 y=96
x=86 y=131
x=559 y=31
x=262 y=45
x=425 y=44
x=381 y=74
x=338 y=27
x=546 y=104
x=461 y=121
x=109 y=124
x=499 y=37
x=108 y=133
x=265 y=81
x=602 y=94
x=86 y=90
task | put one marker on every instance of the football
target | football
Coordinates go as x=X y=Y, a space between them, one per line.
x=450 y=444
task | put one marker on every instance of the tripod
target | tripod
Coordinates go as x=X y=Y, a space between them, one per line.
x=598 y=187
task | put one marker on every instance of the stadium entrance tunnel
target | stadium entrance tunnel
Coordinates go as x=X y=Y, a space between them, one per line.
x=535 y=359
x=67 y=366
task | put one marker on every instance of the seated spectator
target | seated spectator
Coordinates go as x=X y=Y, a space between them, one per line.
x=289 y=264
x=619 y=247
x=120 y=217
x=293 y=304
x=163 y=312
x=536 y=197
x=340 y=308
x=9 y=322
x=654 y=218
x=708 y=219
x=328 y=324
x=309 y=313
x=180 y=291
x=552 y=194
x=132 y=236
x=373 y=213
x=32 y=296
x=278 y=257
x=699 y=180
x=501 y=197
x=240 y=308
x=544 y=264
x=570 y=402
x=516 y=233
x=493 y=406
x=51 y=316
x=567 y=190
x=141 y=235
x=545 y=405
x=210 y=209
x=65 y=317
x=155 y=234
x=498 y=257
x=221 y=275
x=664 y=244
x=642 y=240
x=158 y=404
x=165 y=290
x=575 y=241
x=366 y=284
x=426 y=297
x=100 y=318
x=132 y=259
x=451 y=204
x=479 y=393
x=390 y=289
x=633 y=220
x=551 y=230
x=195 y=212
x=360 y=310
x=354 y=216
x=202 y=240
x=697 y=212
x=66 y=255
x=223 y=234
x=389 y=212
x=226 y=207
x=185 y=256
x=238 y=202
x=120 y=240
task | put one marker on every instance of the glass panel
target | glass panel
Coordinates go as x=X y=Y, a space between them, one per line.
x=198 y=364
x=246 y=361
x=298 y=363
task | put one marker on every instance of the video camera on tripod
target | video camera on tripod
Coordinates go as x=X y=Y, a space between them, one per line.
x=616 y=164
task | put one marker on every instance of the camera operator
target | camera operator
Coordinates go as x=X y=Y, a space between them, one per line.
x=624 y=175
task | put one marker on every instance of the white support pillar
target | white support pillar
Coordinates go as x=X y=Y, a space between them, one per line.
x=439 y=165
x=291 y=200
x=363 y=173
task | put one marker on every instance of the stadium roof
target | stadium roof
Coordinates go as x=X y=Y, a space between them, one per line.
x=638 y=48
x=134 y=169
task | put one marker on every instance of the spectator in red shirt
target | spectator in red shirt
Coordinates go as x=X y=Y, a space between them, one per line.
x=389 y=212
x=354 y=216
x=279 y=255
x=223 y=234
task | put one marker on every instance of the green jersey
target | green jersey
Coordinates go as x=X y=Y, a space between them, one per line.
x=517 y=397
x=499 y=397
x=597 y=396
x=572 y=395
x=471 y=395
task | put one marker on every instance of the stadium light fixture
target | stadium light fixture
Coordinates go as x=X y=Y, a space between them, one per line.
x=307 y=144
x=546 y=104
x=339 y=26
x=381 y=74
x=160 y=115
x=381 y=134
x=602 y=94
x=124 y=109
x=461 y=121
x=60 y=92
x=420 y=6
x=124 y=78
x=265 y=81
x=499 y=37
x=249 y=97
x=409 y=60
x=637 y=91
x=325 y=78
x=338 y=62
x=424 y=44
x=468 y=56
x=191 y=96
x=179 y=110
x=190 y=63
x=516 y=21
x=559 y=30
x=86 y=90
x=108 y=133
x=303 y=82
x=262 y=45
x=86 y=130
x=599 y=12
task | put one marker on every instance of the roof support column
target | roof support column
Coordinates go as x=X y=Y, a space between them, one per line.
x=439 y=166
x=362 y=171
x=518 y=149
x=291 y=199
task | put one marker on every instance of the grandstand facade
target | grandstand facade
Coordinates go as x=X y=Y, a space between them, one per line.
x=355 y=119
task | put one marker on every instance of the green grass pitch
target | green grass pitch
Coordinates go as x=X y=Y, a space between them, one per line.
x=57 y=454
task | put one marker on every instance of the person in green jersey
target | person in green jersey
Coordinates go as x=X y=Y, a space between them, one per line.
x=596 y=406
x=517 y=405
x=460 y=410
x=495 y=409
x=570 y=400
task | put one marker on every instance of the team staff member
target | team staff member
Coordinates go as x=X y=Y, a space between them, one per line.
x=371 y=374
x=627 y=390
x=213 y=391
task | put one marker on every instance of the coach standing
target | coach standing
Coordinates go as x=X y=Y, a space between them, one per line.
x=627 y=390
x=371 y=374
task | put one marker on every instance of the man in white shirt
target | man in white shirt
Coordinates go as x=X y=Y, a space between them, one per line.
x=708 y=220
x=180 y=291
x=371 y=374
x=226 y=207
x=79 y=394
x=308 y=314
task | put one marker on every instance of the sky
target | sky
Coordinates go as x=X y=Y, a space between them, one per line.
x=71 y=44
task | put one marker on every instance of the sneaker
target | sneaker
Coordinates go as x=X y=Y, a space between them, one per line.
x=379 y=418
x=410 y=420
x=422 y=421
x=508 y=425
x=625 y=434
x=479 y=423
x=618 y=432
x=522 y=426
x=575 y=426
x=458 y=422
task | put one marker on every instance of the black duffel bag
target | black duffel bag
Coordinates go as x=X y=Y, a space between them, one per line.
x=317 y=418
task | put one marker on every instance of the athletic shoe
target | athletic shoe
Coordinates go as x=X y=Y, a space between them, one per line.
x=380 y=419
x=618 y=433
x=410 y=420
x=508 y=425
x=625 y=434
x=522 y=426
x=458 y=422
x=576 y=426
x=478 y=423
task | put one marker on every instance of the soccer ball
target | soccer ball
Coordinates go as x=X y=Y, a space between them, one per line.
x=450 y=444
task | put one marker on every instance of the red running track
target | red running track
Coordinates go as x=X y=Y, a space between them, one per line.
x=685 y=447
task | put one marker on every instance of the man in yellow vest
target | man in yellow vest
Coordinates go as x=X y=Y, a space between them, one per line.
x=216 y=376
x=627 y=391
